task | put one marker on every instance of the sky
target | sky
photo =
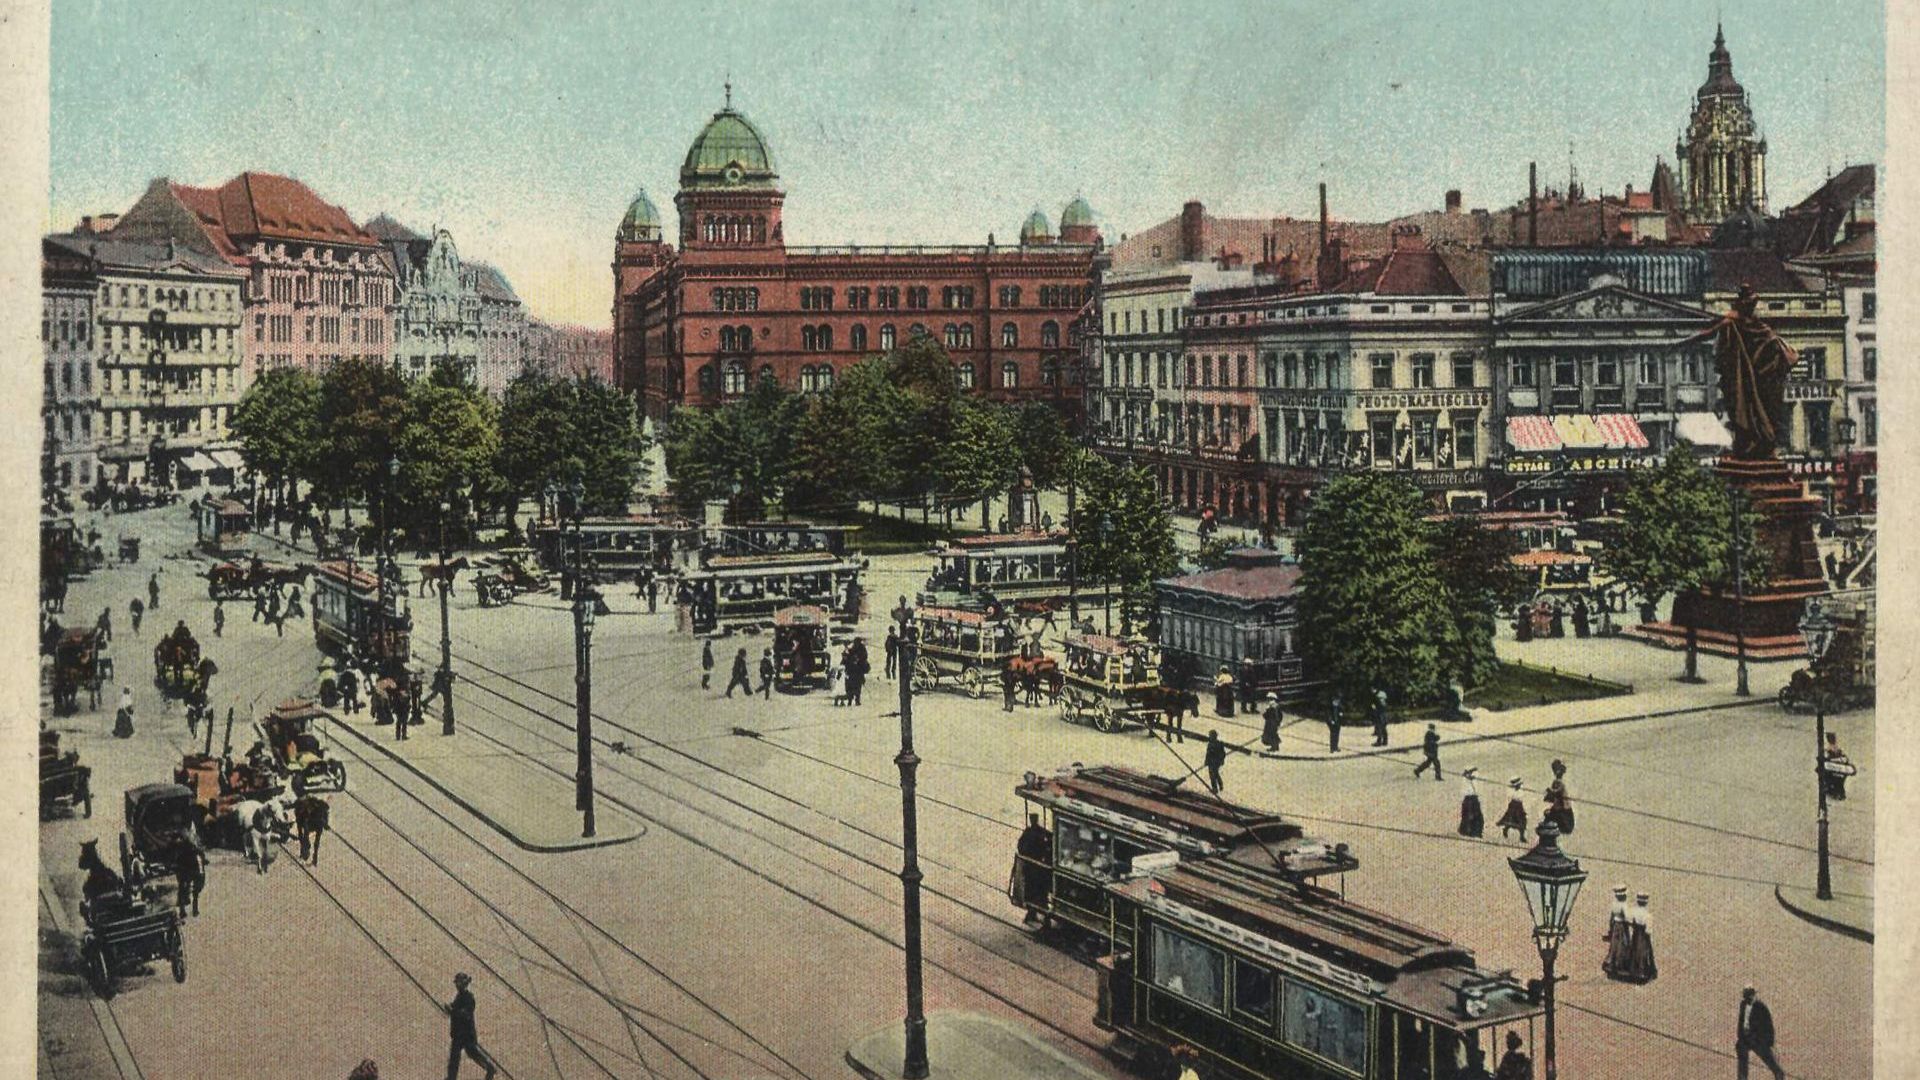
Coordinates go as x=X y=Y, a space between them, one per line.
x=526 y=128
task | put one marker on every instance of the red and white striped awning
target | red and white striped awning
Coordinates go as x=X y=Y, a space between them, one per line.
x=1622 y=432
x=1532 y=434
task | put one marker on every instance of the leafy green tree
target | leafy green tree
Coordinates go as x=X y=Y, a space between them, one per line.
x=980 y=456
x=1124 y=533
x=1213 y=553
x=844 y=445
x=363 y=406
x=277 y=422
x=743 y=451
x=560 y=430
x=449 y=442
x=1481 y=580
x=1374 y=610
x=1045 y=444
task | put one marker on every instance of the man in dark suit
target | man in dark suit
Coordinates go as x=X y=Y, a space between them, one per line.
x=1753 y=1034
x=466 y=1039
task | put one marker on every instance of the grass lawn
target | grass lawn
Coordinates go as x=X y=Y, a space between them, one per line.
x=1517 y=685
x=882 y=534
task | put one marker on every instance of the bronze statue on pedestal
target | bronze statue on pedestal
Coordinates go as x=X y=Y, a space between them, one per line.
x=1752 y=363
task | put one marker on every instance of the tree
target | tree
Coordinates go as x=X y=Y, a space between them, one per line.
x=363 y=404
x=742 y=451
x=277 y=423
x=843 y=448
x=1045 y=444
x=979 y=457
x=1475 y=566
x=1374 y=610
x=449 y=440
x=563 y=430
x=533 y=408
x=1677 y=533
x=1124 y=532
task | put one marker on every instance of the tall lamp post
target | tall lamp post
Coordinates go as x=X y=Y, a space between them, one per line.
x=1817 y=627
x=446 y=637
x=576 y=575
x=914 y=1066
x=1550 y=880
x=380 y=558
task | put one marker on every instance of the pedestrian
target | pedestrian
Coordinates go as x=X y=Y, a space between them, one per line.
x=442 y=688
x=123 y=717
x=1619 y=941
x=294 y=610
x=1033 y=877
x=1270 y=729
x=1473 y=820
x=1333 y=724
x=1379 y=718
x=739 y=677
x=219 y=617
x=1216 y=757
x=135 y=609
x=1640 y=965
x=350 y=690
x=837 y=678
x=706 y=664
x=1514 y=1065
x=653 y=594
x=1430 y=749
x=857 y=668
x=1581 y=627
x=1523 y=623
x=766 y=673
x=1515 y=817
x=190 y=875
x=1753 y=1033
x=1223 y=692
x=1559 y=629
x=1559 y=804
x=465 y=1037
x=1009 y=684
x=893 y=650
x=259 y=603
x=105 y=625
x=153 y=591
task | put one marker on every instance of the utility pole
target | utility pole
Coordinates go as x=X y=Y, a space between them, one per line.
x=584 y=599
x=446 y=637
x=915 y=1065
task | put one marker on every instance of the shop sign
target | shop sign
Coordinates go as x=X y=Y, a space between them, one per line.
x=1585 y=463
x=1422 y=399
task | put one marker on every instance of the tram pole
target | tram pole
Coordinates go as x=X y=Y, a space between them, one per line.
x=583 y=599
x=914 y=1066
x=446 y=638
x=1823 y=874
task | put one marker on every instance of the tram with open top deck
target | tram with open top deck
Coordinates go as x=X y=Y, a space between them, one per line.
x=742 y=592
x=622 y=547
x=348 y=616
x=1110 y=823
x=1259 y=975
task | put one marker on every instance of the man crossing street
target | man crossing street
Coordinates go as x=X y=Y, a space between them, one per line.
x=1753 y=1034
x=153 y=591
x=1216 y=757
x=219 y=617
x=766 y=673
x=739 y=677
x=1430 y=747
x=893 y=650
x=706 y=664
x=1379 y=718
x=466 y=1037
x=1333 y=725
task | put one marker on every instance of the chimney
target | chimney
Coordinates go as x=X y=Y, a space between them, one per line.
x=1289 y=270
x=1323 y=220
x=1533 y=204
x=1193 y=232
x=1453 y=201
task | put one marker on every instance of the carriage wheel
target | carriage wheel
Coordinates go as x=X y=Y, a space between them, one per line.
x=126 y=859
x=1066 y=710
x=1786 y=698
x=94 y=959
x=179 y=959
x=1103 y=718
x=971 y=682
x=926 y=674
x=338 y=770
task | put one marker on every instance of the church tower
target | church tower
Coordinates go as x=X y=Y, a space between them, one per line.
x=1723 y=159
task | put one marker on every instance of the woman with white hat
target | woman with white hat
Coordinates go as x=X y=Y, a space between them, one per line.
x=1619 y=941
x=1640 y=965
x=1515 y=817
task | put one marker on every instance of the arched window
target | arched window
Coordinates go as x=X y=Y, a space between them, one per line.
x=736 y=377
x=826 y=338
x=951 y=336
x=1050 y=372
x=966 y=336
x=809 y=340
x=857 y=338
x=719 y=299
x=825 y=377
x=767 y=376
x=1049 y=335
x=963 y=374
x=886 y=337
x=917 y=330
x=1009 y=336
x=1009 y=375
x=726 y=339
x=759 y=230
x=753 y=299
x=709 y=379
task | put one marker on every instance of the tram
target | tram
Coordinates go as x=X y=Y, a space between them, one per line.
x=220 y=527
x=741 y=592
x=622 y=547
x=348 y=617
x=802 y=647
x=1011 y=569
x=778 y=538
x=1109 y=824
x=1261 y=976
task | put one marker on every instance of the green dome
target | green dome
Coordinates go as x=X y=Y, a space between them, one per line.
x=642 y=221
x=1036 y=228
x=728 y=152
x=1076 y=213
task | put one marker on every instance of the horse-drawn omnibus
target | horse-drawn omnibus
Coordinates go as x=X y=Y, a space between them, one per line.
x=1109 y=823
x=802 y=647
x=1259 y=976
x=348 y=617
x=778 y=538
x=964 y=645
x=221 y=525
x=78 y=664
x=739 y=592
x=1111 y=682
x=622 y=547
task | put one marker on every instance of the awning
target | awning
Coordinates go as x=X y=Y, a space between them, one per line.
x=227 y=459
x=1702 y=429
x=1578 y=432
x=198 y=462
x=1622 y=432
x=1534 y=434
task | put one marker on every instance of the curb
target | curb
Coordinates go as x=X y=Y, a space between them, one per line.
x=509 y=834
x=1346 y=755
x=1821 y=921
x=110 y=1033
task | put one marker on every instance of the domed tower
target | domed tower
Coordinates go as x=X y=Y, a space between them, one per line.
x=639 y=256
x=729 y=193
x=1037 y=230
x=1723 y=159
x=1076 y=223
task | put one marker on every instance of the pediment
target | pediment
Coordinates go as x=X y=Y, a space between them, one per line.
x=1608 y=303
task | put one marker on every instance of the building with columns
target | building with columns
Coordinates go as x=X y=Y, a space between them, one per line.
x=734 y=302
x=1722 y=155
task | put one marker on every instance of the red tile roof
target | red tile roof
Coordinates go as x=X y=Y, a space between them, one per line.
x=1265 y=581
x=1411 y=269
x=267 y=206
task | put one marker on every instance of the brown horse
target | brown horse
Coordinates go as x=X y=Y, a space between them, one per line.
x=440 y=573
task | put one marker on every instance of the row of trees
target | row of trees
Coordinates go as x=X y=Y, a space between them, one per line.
x=337 y=433
x=893 y=428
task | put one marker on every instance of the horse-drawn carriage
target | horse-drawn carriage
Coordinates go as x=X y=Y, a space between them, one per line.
x=160 y=820
x=963 y=645
x=178 y=669
x=78 y=664
x=295 y=751
x=128 y=922
x=62 y=778
x=1111 y=682
x=802 y=647
x=512 y=572
x=234 y=581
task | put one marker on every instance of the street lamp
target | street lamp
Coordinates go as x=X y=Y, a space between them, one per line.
x=1817 y=627
x=570 y=504
x=1550 y=880
x=446 y=638
x=914 y=1065
x=381 y=557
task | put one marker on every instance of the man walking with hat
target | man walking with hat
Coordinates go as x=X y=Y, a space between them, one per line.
x=466 y=1039
x=1753 y=1034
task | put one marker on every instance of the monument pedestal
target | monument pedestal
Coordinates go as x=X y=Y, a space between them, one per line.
x=1768 y=618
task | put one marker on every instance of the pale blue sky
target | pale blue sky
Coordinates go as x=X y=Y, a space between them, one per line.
x=526 y=127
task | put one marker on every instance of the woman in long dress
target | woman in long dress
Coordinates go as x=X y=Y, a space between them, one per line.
x=1473 y=821
x=1515 y=817
x=1559 y=804
x=1640 y=965
x=1619 y=940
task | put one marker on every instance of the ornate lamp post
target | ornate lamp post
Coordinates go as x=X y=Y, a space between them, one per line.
x=914 y=1067
x=1817 y=627
x=570 y=504
x=380 y=565
x=446 y=638
x=1550 y=880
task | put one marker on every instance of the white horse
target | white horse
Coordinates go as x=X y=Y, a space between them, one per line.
x=257 y=821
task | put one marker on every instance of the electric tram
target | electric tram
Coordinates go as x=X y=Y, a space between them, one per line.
x=1009 y=569
x=622 y=547
x=348 y=617
x=742 y=592
x=778 y=538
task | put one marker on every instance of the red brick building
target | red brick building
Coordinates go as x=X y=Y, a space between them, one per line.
x=734 y=302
